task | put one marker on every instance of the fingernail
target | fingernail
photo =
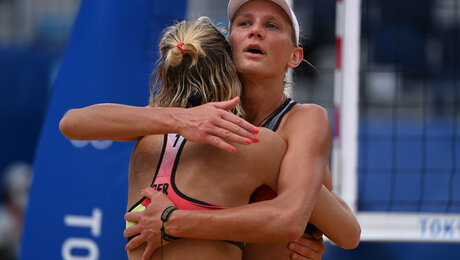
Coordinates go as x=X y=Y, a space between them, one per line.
x=234 y=149
x=256 y=139
x=126 y=248
x=248 y=141
x=255 y=130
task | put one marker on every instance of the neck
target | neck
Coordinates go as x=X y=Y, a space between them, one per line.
x=261 y=98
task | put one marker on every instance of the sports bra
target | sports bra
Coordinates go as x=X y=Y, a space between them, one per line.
x=264 y=192
x=273 y=122
x=164 y=181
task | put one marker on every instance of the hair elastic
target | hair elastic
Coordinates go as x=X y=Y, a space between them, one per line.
x=179 y=45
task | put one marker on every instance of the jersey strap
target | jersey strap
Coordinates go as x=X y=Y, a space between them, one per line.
x=274 y=121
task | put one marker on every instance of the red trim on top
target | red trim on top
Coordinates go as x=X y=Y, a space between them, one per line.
x=145 y=202
x=336 y=122
x=338 y=53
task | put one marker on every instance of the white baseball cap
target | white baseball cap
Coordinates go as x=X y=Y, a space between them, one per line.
x=234 y=5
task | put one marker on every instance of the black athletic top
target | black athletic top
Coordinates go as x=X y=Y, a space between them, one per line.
x=265 y=192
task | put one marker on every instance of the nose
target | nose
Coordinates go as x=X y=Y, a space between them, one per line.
x=258 y=35
x=256 y=31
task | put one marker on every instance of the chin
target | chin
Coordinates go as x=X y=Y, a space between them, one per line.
x=251 y=68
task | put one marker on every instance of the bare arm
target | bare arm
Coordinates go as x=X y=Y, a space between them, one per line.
x=115 y=122
x=282 y=219
x=279 y=220
x=209 y=123
x=336 y=220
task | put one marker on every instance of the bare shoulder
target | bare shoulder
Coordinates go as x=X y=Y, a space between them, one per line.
x=267 y=134
x=270 y=144
x=149 y=142
x=303 y=118
x=146 y=150
x=306 y=112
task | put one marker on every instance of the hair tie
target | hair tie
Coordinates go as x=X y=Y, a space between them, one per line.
x=179 y=45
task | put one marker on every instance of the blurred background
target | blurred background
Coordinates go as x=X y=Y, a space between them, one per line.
x=33 y=38
x=409 y=93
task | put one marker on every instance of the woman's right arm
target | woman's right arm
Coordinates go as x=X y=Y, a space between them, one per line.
x=115 y=122
x=335 y=219
x=209 y=123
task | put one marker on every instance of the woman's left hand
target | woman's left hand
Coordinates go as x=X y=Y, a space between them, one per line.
x=308 y=246
x=148 y=224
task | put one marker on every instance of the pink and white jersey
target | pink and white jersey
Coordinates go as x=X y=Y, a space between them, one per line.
x=164 y=179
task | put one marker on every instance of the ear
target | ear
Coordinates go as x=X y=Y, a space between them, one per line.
x=296 y=57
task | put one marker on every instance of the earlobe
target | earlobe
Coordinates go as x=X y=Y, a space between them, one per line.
x=296 y=58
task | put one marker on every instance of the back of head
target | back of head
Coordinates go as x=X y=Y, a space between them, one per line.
x=195 y=66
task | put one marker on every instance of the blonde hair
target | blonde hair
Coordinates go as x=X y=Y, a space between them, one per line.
x=201 y=69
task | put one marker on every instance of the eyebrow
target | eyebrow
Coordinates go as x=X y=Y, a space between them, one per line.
x=245 y=15
x=267 y=17
x=272 y=17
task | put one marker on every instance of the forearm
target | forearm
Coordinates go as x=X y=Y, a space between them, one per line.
x=116 y=122
x=333 y=217
x=259 y=222
x=281 y=219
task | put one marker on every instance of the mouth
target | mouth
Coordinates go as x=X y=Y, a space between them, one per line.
x=254 y=49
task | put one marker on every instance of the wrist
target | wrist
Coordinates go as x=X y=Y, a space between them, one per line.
x=173 y=226
x=168 y=118
x=164 y=219
x=175 y=119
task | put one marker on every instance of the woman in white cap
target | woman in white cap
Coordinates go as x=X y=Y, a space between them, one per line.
x=264 y=36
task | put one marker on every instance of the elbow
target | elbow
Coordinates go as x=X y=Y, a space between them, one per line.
x=351 y=244
x=292 y=227
x=66 y=126
x=356 y=238
x=353 y=239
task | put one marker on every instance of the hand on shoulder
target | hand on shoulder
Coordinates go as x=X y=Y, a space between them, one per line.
x=211 y=123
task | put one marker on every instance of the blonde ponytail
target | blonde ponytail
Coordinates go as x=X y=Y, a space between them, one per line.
x=175 y=55
x=201 y=68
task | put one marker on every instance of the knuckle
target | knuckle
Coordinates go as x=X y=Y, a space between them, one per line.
x=202 y=137
x=212 y=140
x=206 y=128
x=140 y=222
x=210 y=120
